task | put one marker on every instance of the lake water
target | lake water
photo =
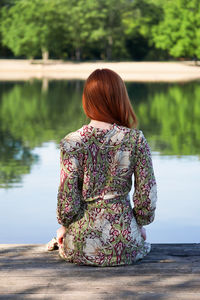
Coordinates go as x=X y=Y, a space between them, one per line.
x=35 y=115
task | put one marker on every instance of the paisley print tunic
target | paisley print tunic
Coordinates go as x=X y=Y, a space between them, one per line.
x=102 y=228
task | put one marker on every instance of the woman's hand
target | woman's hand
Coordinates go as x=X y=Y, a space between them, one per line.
x=60 y=233
x=143 y=233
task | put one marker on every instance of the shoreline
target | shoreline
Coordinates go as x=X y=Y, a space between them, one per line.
x=22 y=70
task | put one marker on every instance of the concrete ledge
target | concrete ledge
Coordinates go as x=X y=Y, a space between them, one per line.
x=169 y=271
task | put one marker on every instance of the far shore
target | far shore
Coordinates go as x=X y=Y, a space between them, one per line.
x=17 y=69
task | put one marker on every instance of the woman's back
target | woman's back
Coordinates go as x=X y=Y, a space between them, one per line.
x=93 y=200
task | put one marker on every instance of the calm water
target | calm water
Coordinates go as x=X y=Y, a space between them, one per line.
x=34 y=116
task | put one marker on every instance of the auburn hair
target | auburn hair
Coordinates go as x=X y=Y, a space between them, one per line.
x=105 y=98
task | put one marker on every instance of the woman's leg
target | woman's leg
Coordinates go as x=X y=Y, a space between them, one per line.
x=52 y=245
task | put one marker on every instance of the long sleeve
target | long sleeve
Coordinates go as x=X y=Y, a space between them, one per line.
x=69 y=192
x=145 y=194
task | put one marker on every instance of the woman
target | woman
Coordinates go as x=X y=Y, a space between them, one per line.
x=98 y=225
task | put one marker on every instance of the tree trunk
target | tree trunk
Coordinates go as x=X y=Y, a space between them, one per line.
x=109 y=48
x=45 y=55
x=31 y=59
x=195 y=59
x=78 y=53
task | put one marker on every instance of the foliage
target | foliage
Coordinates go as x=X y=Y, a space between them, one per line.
x=137 y=22
x=31 y=27
x=179 y=31
x=106 y=29
x=110 y=31
x=81 y=29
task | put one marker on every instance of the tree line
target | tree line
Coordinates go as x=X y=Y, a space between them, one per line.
x=100 y=29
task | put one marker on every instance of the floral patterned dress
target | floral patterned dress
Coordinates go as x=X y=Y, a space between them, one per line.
x=93 y=198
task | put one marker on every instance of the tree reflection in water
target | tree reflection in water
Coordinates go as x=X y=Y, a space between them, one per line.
x=169 y=115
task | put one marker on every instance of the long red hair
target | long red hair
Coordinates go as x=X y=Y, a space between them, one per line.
x=105 y=98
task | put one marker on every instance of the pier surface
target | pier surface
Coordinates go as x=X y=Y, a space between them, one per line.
x=169 y=271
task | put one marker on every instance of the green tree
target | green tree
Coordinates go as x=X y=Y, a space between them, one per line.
x=137 y=22
x=179 y=31
x=111 y=30
x=80 y=29
x=96 y=25
x=32 y=27
x=4 y=51
x=79 y=21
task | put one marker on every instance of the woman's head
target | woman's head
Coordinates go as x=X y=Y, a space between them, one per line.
x=105 y=98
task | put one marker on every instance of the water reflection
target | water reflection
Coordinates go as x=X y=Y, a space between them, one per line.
x=32 y=113
x=170 y=116
x=15 y=160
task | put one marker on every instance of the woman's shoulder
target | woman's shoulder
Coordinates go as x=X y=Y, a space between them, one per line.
x=138 y=134
x=72 y=140
x=133 y=133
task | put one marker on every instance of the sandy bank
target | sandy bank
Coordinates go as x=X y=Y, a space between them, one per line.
x=129 y=71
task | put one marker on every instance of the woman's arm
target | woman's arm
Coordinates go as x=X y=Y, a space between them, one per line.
x=69 y=195
x=145 y=194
